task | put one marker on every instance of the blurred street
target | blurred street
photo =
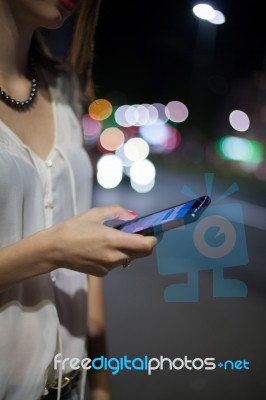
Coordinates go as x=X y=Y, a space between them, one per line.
x=188 y=95
x=141 y=323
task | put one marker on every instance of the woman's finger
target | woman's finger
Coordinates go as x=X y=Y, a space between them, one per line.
x=102 y=214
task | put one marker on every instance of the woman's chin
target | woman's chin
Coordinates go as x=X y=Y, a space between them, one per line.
x=54 y=21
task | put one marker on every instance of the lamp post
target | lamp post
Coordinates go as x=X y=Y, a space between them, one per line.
x=202 y=68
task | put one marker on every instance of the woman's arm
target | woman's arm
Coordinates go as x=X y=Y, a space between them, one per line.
x=81 y=243
x=24 y=259
x=99 y=382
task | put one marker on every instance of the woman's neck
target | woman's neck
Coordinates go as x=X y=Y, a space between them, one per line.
x=14 y=45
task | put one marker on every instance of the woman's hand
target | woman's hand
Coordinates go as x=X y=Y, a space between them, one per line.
x=84 y=244
x=81 y=243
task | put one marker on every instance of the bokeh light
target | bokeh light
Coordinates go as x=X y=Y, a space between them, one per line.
x=142 y=114
x=100 y=109
x=176 y=111
x=204 y=11
x=239 y=120
x=142 y=176
x=218 y=19
x=173 y=139
x=136 y=149
x=161 y=118
x=131 y=115
x=109 y=171
x=120 y=116
x=154 y=135
x=112 y=138
x=240 y=149
x=161 y=138
x=91 y=129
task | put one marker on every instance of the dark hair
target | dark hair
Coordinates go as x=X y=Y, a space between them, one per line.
x=81 y=50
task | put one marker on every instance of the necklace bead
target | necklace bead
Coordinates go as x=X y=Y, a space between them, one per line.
x=25 y=104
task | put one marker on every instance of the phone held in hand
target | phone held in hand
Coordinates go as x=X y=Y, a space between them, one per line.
x=170 y=218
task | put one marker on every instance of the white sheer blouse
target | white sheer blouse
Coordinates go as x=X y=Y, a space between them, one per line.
x=44 y=315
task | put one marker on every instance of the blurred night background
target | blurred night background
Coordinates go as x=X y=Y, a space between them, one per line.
x=178 y=97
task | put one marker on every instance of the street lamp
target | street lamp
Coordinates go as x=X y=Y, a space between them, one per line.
x=208 y=13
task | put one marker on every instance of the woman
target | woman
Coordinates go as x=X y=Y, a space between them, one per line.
x=49 y=240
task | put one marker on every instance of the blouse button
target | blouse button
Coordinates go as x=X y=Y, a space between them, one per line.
x=49 y=163
x=49 y=204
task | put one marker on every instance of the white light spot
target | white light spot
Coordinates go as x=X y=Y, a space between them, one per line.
x=204 y=11
x=142 y=175
x=119 y=116
x=176 y=111
x=143 y=114
x=218 y=19
x=136 y=149
x=109 y=171
x=239 y=120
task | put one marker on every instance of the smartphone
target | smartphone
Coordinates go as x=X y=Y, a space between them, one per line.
x=170 y=218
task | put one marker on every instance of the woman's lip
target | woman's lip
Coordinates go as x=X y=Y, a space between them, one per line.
x=68 y=4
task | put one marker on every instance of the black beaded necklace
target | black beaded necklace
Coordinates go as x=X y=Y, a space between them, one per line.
x=25 y=104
